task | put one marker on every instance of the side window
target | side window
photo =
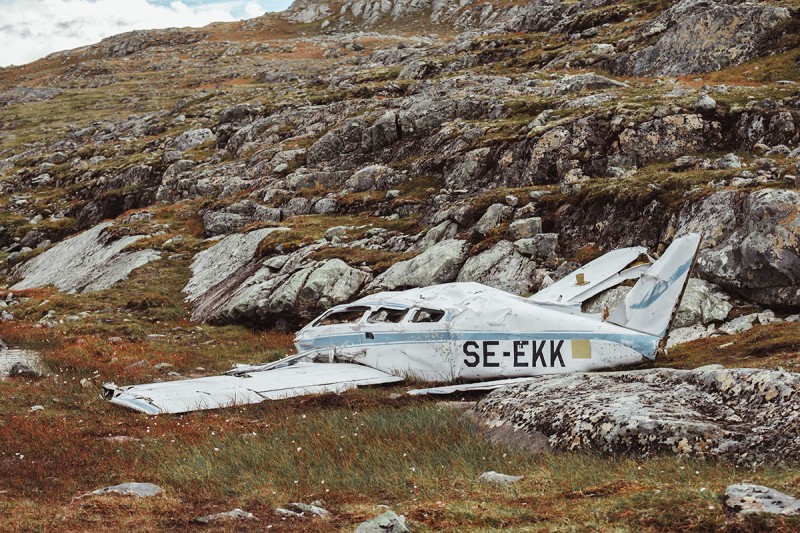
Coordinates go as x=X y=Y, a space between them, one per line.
x=351 y=315
x=384 y=315
x=427 y=315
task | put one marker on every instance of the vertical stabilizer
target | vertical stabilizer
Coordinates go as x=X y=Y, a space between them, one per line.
x=652 y=302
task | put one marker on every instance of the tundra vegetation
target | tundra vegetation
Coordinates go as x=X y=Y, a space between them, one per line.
x=288 y=152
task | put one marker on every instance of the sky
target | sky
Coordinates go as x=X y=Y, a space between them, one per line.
x=31 y=29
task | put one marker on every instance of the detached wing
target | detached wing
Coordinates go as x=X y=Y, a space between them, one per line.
x=215 y=392
x=603 y=273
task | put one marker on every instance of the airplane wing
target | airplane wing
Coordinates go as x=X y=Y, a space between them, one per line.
x=239 y=388
x=603 y=273
x=480 y=386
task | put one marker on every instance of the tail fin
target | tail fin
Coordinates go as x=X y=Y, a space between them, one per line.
x=651 y=304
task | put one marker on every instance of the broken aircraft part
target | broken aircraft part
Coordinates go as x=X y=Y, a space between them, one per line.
x=454 y=332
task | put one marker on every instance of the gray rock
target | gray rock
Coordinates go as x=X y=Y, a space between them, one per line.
x=221 y=261
x=690 y=333
x=286 y=513
x=235 y=514
x=314 y=508
x=373 y=177
x=582 y=82
x=726 y=162
x=301 y=289
x=746 y=498
x=665 y=138
x=501 y=267
x=741 y=415
x=189 y=139
x=443 y=231
x=750 y=244
x=540 y=246
x=702 y=303
x=495 y=215
x=702 y=36
x=140 y=490
x=690 y=162
x=498 y=479
x=704 y=103
x=238 y=215
x=439 y=264
x=325 y=206
x=469 y=169
x=739 y=324
x=91 y=261
x=297 y=206
x=21 y=370
x=525 y=228
x=388 y=522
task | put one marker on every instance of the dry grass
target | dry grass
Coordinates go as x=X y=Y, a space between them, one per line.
x=771 y=346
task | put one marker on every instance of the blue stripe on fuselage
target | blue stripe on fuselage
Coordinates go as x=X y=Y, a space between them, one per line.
x=642 y=343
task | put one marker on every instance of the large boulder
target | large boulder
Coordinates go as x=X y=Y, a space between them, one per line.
x=233 y=217
x=293 y=294
x=751 y=243
x=438 y=264
x=702 y=303
x=743 y=415
x=664 y=138
x=703 y=36
x=223 y=260
x=189 y=139
x=91 y=261
x=502 y=267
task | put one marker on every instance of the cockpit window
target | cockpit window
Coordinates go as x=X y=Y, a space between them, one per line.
x=427 y=315
x=351 y=315
x=386 y=315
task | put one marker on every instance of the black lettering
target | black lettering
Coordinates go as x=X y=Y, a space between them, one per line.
x=475 y=354
x=519 y=352
x=487 y=353
x=555 y=352
x=538 y=353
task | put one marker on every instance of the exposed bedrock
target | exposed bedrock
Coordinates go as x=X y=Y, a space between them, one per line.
x=751 y=243
x=90 y=261
x=742 y=415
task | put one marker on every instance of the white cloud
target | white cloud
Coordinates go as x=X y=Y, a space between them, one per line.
x=253 y=9
x=30 y=29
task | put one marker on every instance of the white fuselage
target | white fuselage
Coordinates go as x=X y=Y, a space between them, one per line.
x=506 y=340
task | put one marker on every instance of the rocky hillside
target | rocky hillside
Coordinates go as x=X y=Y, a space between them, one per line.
x=268 y=169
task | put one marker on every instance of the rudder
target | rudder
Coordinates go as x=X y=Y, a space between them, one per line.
x=651 y=304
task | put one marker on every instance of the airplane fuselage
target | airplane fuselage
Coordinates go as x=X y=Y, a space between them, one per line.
x=554 y=342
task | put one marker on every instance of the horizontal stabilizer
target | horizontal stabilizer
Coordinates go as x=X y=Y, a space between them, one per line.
x=603 y=273
x=481 y=386
x=215 y=392
x=650 y=305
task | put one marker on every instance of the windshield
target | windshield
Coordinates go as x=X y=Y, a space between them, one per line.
x=351 y=315
x=385 y=314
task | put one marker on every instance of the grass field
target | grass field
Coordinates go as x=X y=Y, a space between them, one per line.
x=356 y=451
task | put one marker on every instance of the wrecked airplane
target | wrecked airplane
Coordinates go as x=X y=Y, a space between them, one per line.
x=455 y=332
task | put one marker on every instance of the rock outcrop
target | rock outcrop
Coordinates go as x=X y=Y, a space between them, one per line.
x=702 y=36
x=91 y=261
x=751 y=243
x=741 y=415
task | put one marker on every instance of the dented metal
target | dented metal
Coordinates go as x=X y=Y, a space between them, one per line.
x=454 y=331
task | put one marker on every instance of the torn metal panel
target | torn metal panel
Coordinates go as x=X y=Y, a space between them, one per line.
x=593 y=278
x=230 y=390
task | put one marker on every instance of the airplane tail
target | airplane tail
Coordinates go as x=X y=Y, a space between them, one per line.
x=651 y=304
